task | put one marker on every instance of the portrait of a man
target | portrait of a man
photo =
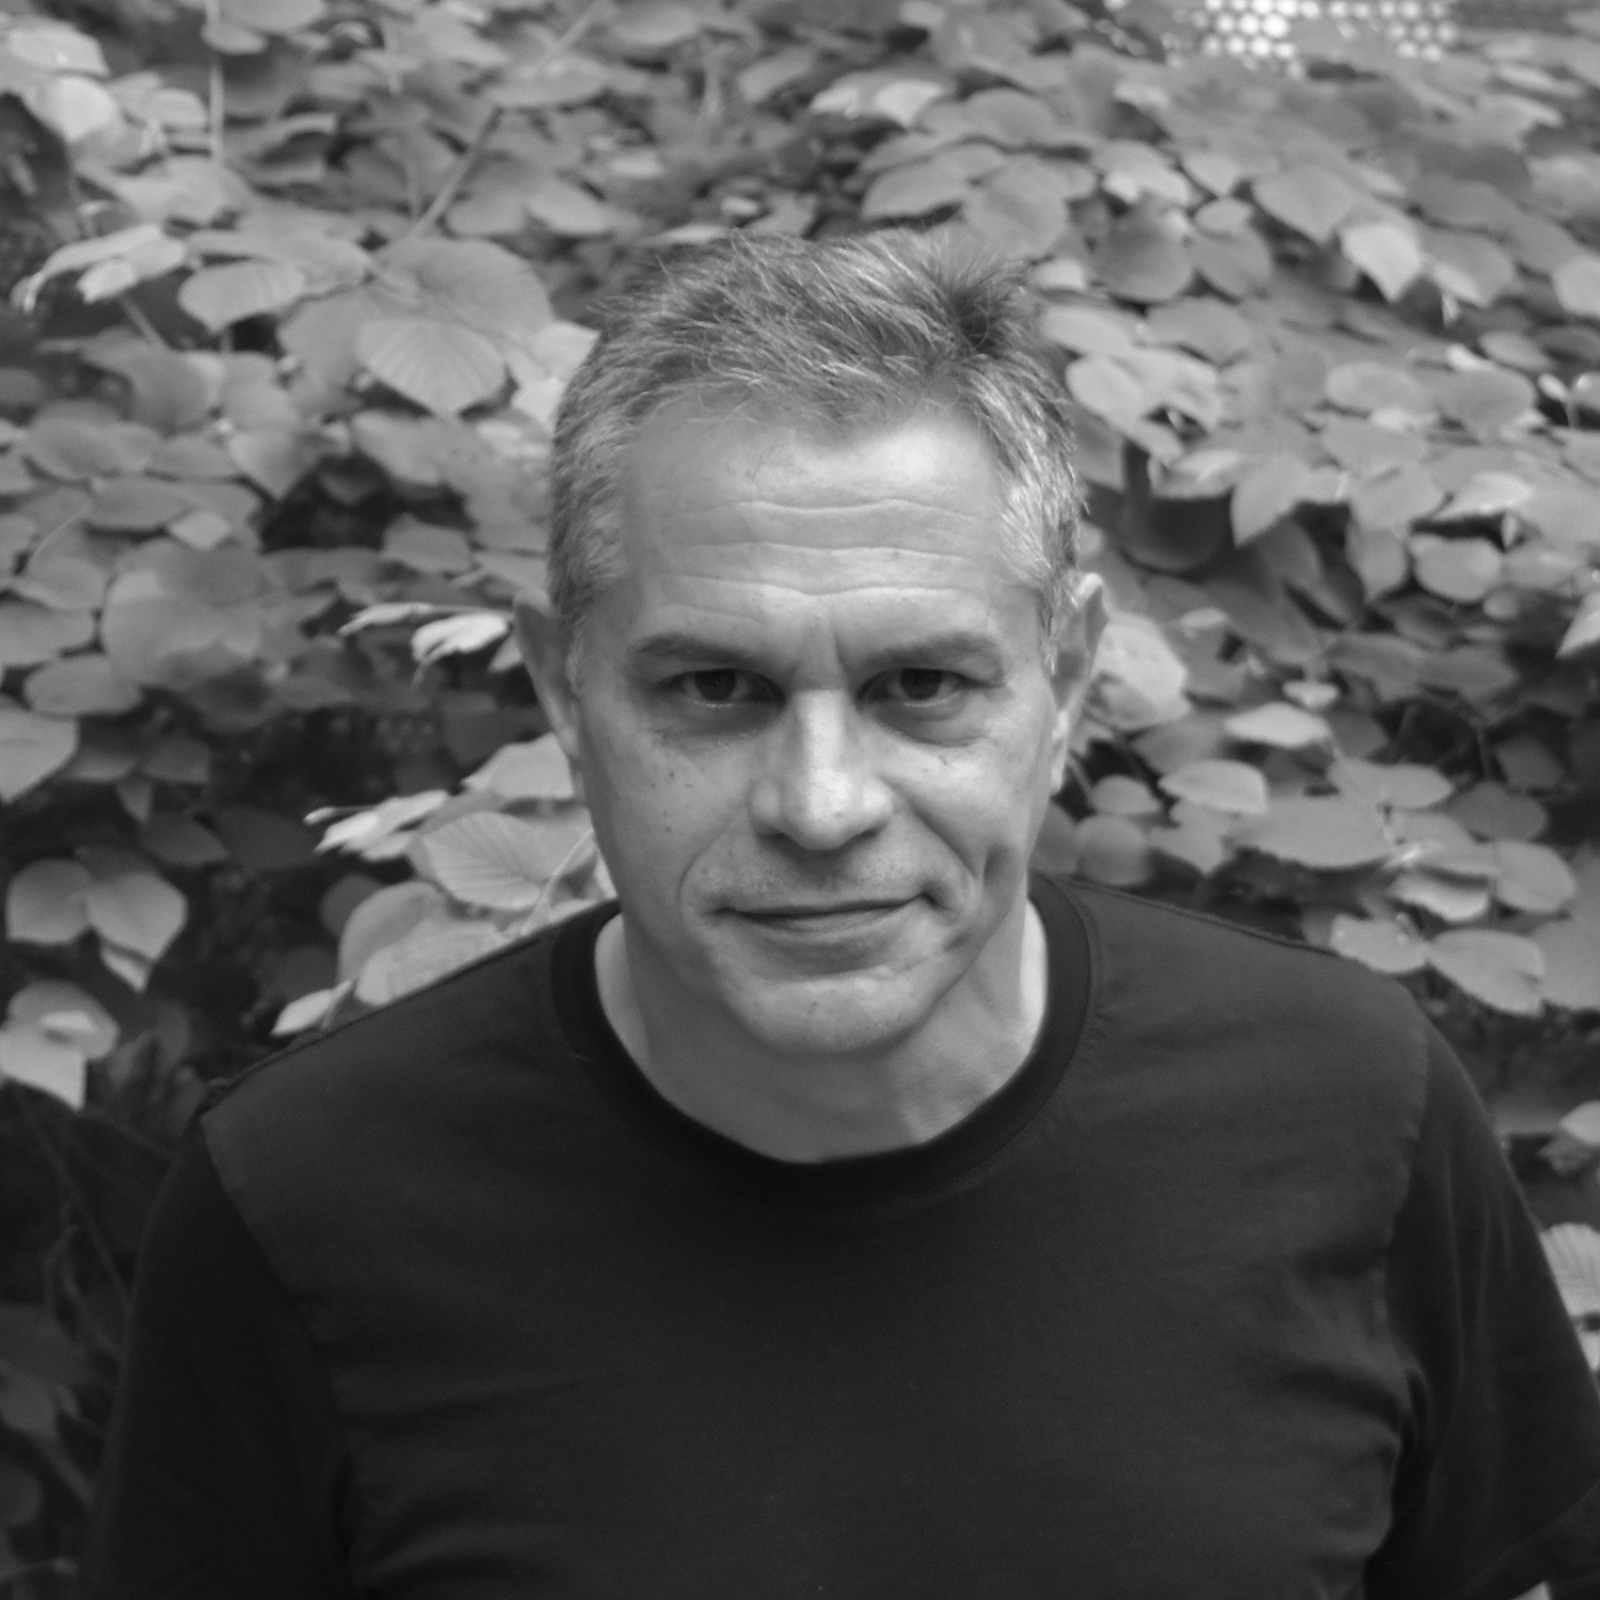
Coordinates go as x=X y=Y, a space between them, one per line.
x=846 y=1210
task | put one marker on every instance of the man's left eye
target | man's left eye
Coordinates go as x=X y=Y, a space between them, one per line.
x=921 y=685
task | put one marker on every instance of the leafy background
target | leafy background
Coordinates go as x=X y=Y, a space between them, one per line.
x=294 y=289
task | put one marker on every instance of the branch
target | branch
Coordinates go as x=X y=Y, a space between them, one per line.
x=469 y=157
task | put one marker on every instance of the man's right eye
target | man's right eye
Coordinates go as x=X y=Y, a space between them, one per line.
x=719 y=686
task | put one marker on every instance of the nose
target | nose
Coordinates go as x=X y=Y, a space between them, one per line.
x=818 y=787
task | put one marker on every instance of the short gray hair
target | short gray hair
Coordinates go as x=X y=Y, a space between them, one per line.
x=862 y=329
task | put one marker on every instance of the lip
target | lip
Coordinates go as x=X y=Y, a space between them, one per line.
x=837 y=917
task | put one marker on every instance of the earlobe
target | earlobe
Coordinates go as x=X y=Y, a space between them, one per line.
x=546 y=652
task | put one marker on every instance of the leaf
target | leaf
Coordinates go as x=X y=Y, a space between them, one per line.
x=569 y=211
x=31 y=634
x=80 y=686
x=1449 y=899
x=1387 y=252
x=66 y=1012
x=1269 y=490
x=181 y=842
x=1369 y=386
x=1405 y=785
x=1018 y=212
x=438 y=945
x=1121 y=796
x=1138 y=677
x=1088 y=330
x=383 y=918
x=1571 y=964
x=1463 y=570
x=1384 y=945
x=1140 y=260
x=1492 y=811
x=221 y=296
x=377 y=824
x=442 y=366
x=31 y=748
x=1584 y=631
x=1577 y=286
x=652 y=25
x=459 y=635
x=1206 y=326
x=1486 y=399
x=1311 y=200
x=1229 y=786
x=45 y=902
x=1395 y=497
x=136 y=910
x=914 y=190
x=30 y=1056
x=1285 y=726
x=263 y=841
x=136 y=505
x=1113 y=851
x=310 y=1009
x=1532 y=877
x=1503 y=970
x=272 y=16
x=1486 y=494
x=535 y=770
x=1108 y=389
x=500 y=862
x=1333 y=834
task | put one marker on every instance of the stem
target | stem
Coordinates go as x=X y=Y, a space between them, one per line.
x=102 y=1247
x=217 y=102
x=146 y=328
x=469 y=157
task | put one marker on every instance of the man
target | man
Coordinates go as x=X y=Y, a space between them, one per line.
x=845 y=1215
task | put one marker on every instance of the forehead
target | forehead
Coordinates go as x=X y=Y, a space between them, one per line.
x=732 y=498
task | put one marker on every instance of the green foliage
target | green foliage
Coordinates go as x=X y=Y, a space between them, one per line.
x=297 y=287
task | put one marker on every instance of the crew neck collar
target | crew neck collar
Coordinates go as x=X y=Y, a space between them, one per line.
x=849 y=1180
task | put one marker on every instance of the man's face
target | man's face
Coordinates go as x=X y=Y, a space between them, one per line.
x=815 y=725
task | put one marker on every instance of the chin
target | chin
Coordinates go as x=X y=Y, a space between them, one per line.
x=849 y=1015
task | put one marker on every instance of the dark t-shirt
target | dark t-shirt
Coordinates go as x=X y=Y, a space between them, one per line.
x=1226 y=1295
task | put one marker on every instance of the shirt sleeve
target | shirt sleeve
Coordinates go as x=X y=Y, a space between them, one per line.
x=1498 y=1487
x=225 y=1471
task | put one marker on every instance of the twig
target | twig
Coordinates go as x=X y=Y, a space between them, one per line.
x=459 y=173
x=145 y=327
x=217 y=105
x=64 y=1175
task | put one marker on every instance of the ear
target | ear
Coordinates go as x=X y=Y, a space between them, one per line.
x=546 y=648
x=1074 y=666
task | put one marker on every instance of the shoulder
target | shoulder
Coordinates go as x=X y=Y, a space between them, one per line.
x=1183 y=967
x=391 y=1087
x=1267 y=1050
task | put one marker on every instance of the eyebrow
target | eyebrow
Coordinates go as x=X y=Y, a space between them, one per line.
x=957 y=646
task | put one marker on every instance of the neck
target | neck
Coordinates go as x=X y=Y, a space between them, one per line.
x=805 y=1109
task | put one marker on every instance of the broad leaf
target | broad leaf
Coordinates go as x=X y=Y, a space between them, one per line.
x=501 y=862
x=1268 y=491
x=1333 y=834
x=1385 y=946
x=80 y=686
x=1284 y=726
x=221 y=296
x=1503 y=970
x=1387 y=252
x=1230 y=786
x=1584 y=631
x=31 y=748
x=1114 y=851
x=914 y=190
x=1311 y=200
x=45 y=902
x=1577 y=286
x=1532 y=877
x=136 y=910
x=442 y=366
x=66 y=1012
x=36 y=1059
x=1571 y=964
x=536 y=770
